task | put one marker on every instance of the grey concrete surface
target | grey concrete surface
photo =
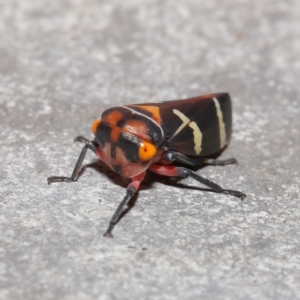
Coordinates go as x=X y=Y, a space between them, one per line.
x=61 y=64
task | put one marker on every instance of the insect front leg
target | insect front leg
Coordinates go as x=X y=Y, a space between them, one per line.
x=132 y=188
x=174 y=171
x=92 y=145
x=171 y=156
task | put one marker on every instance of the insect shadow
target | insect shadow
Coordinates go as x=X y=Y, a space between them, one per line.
x=146 y=184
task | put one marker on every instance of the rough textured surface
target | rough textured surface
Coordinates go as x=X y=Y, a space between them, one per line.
x=61 y=64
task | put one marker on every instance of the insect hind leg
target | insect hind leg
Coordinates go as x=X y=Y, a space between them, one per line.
x=186 y=172
x=174 y=171
x=173 y=156
x=219 y=162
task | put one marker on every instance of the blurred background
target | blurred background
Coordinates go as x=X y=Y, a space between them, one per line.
x=62 y=63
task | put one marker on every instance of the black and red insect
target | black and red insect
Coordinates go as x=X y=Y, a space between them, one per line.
x=166 y=138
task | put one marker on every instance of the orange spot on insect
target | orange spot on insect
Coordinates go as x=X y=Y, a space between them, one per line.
x=154 y=110
x=146 y=151
x=95 y=126
x=114 y=117
x=115 y=133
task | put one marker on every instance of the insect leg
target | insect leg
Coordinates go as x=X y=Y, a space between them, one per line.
x=175 y=171
x=81 y=139
x=171 y=156
x=130 y=191
x=219 y=162
x=89 y=145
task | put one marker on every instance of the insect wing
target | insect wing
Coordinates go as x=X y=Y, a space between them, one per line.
x=199 y=126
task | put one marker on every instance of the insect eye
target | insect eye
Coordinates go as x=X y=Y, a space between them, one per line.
x=146 y=151
x=95 y=126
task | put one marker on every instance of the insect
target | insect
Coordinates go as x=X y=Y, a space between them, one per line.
x=167 y=138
